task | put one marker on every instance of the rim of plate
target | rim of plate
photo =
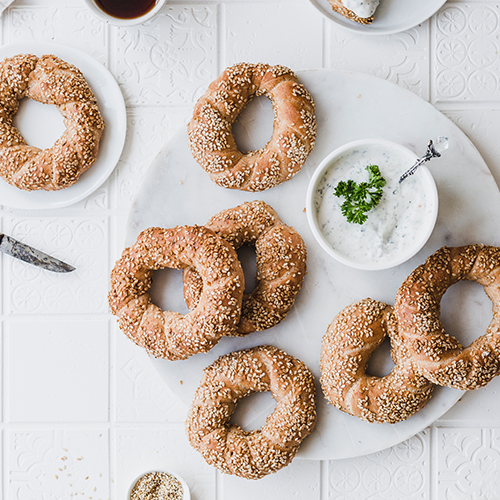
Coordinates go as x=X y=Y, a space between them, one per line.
x=372 y=29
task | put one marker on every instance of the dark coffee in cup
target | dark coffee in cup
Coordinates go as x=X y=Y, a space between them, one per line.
x=126 y=9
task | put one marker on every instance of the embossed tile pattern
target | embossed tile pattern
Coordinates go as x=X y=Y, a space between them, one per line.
x=148 y=129
x=83 y=412
x=143 y=449
x=78 y=241
x=48 y=464
x=397 y=473
x=168 y=60
x=468 y=463
x=401 y=58
x=141 y=395
x=466 y=52
x=65 y=24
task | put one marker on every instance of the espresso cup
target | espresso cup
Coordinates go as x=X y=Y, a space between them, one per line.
x=100 y=13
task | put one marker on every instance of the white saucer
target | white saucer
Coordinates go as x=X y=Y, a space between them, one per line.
x=392 y=16
x=112 y=108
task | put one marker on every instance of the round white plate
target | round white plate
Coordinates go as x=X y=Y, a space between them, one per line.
x=349 y=106
x=391 y=16
x=43 y=133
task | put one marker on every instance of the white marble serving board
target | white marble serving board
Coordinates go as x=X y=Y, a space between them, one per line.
x=176 y=191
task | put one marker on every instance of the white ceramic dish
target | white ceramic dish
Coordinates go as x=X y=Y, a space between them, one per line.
x=423 y=231
x=176 y=190
x=392 y=16
x=103 y=16
x=112 y=107
x=185 y=489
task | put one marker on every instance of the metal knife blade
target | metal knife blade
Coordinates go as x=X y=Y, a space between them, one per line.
x=32 y=256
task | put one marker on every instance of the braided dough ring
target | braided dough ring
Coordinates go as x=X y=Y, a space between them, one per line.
x=48 y=80
x=355 y=333
x=281 y=263
x=439 y=356
x=167 y=334
x=211 y=138
x=253 y=454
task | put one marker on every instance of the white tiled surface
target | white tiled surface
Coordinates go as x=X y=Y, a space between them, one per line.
x=82 y=411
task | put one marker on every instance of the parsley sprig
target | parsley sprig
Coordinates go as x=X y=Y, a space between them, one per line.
x=361 y=198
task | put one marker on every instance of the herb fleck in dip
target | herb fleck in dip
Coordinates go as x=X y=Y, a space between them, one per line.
x=157 y=486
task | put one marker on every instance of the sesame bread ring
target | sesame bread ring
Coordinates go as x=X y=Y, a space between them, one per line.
x=254 y=454
x=167 y=334
x=439 y=356
x=281 y=263
x=210 y=131
x=48 y=80
x=353 y=336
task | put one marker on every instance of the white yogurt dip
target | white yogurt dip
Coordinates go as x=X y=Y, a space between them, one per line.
x=396 y=228
x=362 y=8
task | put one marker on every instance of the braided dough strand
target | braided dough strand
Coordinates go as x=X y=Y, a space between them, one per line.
x=352 y=337
x=48 y=80
x=439 y=356
x=168 y=334
x=281 y=263
x=253 y=454
x=210 y=131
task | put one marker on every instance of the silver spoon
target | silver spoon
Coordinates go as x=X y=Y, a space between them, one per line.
x=434 y=150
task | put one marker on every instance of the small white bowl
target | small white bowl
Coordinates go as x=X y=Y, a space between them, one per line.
x=185 y=488
x=116 y=21
x=361 y=150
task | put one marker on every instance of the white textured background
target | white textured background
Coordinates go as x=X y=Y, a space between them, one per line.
x=82 y=411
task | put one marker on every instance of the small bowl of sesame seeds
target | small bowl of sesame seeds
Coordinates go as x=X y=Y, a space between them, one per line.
x=159 y=485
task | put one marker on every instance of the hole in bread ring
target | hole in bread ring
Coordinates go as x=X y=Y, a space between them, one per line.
x=281 y=263
x=437 y=355
x=253 y=454
x=352 y=337
x=211 y=137
x=168 y=334
x=48 y=80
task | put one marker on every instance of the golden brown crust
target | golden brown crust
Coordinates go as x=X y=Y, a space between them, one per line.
x=337 y=6
x=167 y=334
x=254 y=454
x=210 y=131
x=48 y=80
x=281 y=263
x=352 y=337
x=439 y=356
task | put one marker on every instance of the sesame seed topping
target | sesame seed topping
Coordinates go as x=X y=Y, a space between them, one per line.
x=211 y=138
x=257 y=453
x=281 y=263
x=48 y=80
